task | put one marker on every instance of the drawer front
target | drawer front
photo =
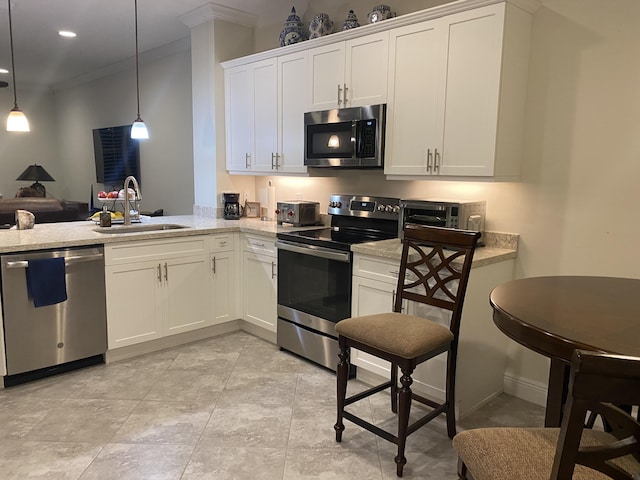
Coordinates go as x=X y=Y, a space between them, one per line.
x=257 y=244
x=121 y=253
x=376 y=268
x=222 y=243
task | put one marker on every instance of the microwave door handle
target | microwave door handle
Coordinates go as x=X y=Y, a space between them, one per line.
x=355 y=139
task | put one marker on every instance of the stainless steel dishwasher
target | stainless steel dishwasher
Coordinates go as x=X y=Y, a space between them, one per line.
x=75 y=330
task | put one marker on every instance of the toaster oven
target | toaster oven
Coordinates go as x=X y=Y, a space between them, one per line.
x=462 y=215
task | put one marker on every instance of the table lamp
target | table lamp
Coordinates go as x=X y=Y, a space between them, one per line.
x=36 y=173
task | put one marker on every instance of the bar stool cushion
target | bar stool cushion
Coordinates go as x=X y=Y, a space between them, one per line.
x=406 y=336
x=524 y=453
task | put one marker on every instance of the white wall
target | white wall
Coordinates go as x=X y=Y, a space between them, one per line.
x=20 y=149
x=166 y=159
x=575 y=204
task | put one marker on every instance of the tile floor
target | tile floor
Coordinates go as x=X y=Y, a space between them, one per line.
x=232 y=407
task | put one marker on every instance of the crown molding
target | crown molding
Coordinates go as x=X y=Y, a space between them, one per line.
x=213 y=11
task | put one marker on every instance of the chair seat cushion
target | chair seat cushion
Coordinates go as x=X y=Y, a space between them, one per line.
x=406 y=336
x=523 y=453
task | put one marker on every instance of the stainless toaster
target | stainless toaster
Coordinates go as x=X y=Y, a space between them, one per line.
x=298 y=213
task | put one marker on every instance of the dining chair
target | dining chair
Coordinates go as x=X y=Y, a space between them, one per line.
x=434 y=270
x=597 y=381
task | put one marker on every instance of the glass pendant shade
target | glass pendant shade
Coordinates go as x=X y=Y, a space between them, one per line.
x=139 y=129
x=17 y=121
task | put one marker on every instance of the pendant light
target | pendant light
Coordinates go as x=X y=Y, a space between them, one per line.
x=138 y=129
x=17 y=121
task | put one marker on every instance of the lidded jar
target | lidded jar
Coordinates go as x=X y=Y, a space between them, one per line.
x=351 y=21
x=293 y=31
x=380 y=12
x=320 y=25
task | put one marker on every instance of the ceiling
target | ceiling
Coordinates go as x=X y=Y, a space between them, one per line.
x=105 y=30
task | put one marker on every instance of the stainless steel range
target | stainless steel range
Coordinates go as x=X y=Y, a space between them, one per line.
x=314 y=273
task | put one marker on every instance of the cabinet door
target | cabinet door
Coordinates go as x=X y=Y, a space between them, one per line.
x=239 y=117
x=293 y=101
x=265 y=115
x=370 y=297
x=414 y=106
x=474 y=44
x=366 y=70
x=326 y=74
x=186 y=290
x=134 y=303
x=259 y=293
x=223 y=272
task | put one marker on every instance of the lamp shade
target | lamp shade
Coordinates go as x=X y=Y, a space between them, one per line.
x=35 y=173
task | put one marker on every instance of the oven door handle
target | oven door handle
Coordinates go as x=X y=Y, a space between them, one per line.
x=314 y=251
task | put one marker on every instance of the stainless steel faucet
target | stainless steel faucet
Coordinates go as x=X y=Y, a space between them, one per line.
x=137 y=196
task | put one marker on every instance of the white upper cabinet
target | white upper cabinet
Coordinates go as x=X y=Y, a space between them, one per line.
x=457 y=88
x=265 y=103
x=293 y=101
x=414 y=108
x=239 y=117
x=350 y=73
x=454 y=79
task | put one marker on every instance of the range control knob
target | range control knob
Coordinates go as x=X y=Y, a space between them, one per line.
x=388 y=208
x=396 y=209
x=380 y=208
x=335 y=204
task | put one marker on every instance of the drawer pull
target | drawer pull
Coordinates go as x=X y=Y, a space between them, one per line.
x=166 y=272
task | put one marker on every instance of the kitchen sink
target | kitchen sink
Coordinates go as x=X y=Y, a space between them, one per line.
x=137 y=228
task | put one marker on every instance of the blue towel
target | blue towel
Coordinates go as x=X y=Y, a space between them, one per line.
x=46 y=281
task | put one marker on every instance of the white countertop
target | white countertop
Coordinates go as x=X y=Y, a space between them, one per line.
x=71 y=234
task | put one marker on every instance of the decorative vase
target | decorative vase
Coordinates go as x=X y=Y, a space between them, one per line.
x=320 y=25
x=293 y=31
x=380 y=12
x=351 y=21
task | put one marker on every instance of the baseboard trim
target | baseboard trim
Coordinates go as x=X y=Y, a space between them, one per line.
x=526 y=389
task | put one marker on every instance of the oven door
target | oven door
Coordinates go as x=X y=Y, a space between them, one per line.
x=314 y=286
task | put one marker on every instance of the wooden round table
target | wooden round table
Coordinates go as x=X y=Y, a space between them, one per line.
x=556 y=315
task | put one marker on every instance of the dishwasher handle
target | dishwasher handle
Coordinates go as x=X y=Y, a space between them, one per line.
x=67 y=260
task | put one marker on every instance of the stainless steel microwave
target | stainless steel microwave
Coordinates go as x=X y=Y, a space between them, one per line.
x=462 y=215
x=345 y=137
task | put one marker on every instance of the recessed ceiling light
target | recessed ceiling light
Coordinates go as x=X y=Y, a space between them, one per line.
x=67 y=33
x=4 y=70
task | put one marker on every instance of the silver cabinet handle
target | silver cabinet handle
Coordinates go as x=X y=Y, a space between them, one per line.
x=277 y=162
x=428 y=159
x=166 y=272
x=214 y=265
x=273 y=163
x=273 y=270
x=436 y=161
x=247 y=160
x=159 y=273
x=339 y=95
x=344 y=94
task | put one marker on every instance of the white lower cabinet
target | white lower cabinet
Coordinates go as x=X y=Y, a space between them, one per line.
x=374 y=286
x=155 y=289
x=259 y=281
x=481 y=348
x=224 y=287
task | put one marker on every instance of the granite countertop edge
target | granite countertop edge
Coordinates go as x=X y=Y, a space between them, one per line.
x=45 y=236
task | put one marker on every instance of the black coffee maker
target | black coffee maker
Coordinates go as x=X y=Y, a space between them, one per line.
x=232 y=209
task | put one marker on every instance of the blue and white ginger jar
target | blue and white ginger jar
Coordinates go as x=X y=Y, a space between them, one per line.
x=320 y=25
x=293 y=31
x=351 y=21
